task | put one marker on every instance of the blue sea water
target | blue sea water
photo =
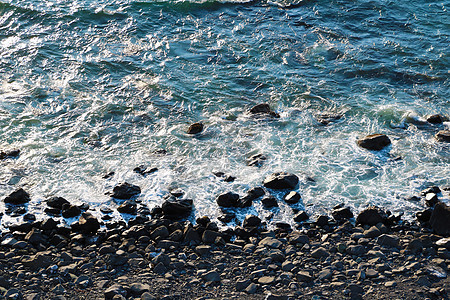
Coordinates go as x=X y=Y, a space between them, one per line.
x=88 y=87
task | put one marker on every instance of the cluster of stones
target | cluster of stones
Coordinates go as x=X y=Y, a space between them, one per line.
x=151 y=258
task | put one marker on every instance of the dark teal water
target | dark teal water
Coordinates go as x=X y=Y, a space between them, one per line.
x=88 y=87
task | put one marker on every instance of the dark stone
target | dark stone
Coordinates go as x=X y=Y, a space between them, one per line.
x=440 y=219
x=435 y=119
x=327 y=118
x=431 y=199
x=256 y=160
x=281 y=180
x=424 y=216
x=301 y=217
x=342 y=214
x=128 y=207
x=144 y=170
x=9 y=153
x=251 y=221
x=371 y=216
x=17 y=197
x=292 y=197
x=108 y=175
x=177 y=208
x=125 y=191
x=203 y=221
x=70 y=211
x=252 y=194
x=388 y=240
x=23 y=227
x=195 y=128
x=87 y=224
x=209 y=236
x=49 y=225
x=443 y=136
x=159 y=233
x=322 y=221
x=227 y=217
x=227 y=200
x=432 y=189
x=57 y=202
x=263 y=109
x=269 y=201
x=114 y=290
x=374 y=142
x=29 y=217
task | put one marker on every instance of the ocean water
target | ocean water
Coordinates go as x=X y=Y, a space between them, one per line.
x=89 y=87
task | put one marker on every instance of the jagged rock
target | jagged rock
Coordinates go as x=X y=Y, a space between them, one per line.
x=443 y=136
x=252 y=194
x=18 y=197
x=227 y=200
x=374 y=142
x=435 y=119
x=195 y=128
x=281 y=180
x=128 y=207
x=342 y=213
x=87 y=224
x=292 y=197
x=57 y=202
x=388 y=240
x=144 y=170
x=440 y=219
x=327 y=118
x=38 y=261
x=178 y=208
x=125 y=191
x=263 y=109
x=301 y=217
x=424 y=216
x=371 y=216
x=431 y=199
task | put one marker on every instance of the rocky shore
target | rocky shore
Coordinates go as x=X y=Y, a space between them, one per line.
x=163 y=256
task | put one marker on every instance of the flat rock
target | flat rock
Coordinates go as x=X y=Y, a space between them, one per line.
x=18 y=197
x=281 y=180
x=212 y=276
x=265 y=280
x=125 y=191
x=374 y=142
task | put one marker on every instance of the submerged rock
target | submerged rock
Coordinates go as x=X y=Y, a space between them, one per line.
x=9 y=153
x=443 y=136
x=195 y=128
x=18 y=197
x=327 y=118
x=125 y=191
x=263 y=109
x=256 y=160
x=436 y=119
x=374 y=142
x=281 y=180
x=440 y=219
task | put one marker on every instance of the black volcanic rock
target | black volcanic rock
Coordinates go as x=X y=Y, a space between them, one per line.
x=128 y=207
x=263 y=109
x=227 y=200
x=57 y=202
x=269 y=201
x=18 y=197
x=374 y=142
x=70 y=211
x=9 y=153
x=125 y=191
x=195 y=128
x=177 y=208
x=440 y=219
x=443 y=136
x=292 y=197
x=371 y=216
x=281 y=180
x=342 y=213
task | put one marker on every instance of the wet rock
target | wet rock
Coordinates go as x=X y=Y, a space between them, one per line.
x=322 y=221
x=18 y=197
x=440 y=219
x=9 y=153
x=301 y=217
x=227 y=200
x=371 y=216
x=374 y=142
x=435 y=119
x=57 y=202
x=263 y=109
x=209 y=236
x=431 y=189
x=125 y=191
x=159 y=233
x=256 y=160
x=327 y=118
x=176 y=209
x=292 y=197
x=211 y=276
x=269 y=201
x=128 y=207
x=281 y=180
x=22 y=227
x=70 y=211
x=431 y=199
x=252 y=194
x=251 y=221
x=144 y=171
x=195 y=128
x=424 y=216
x=49 y=225
x=341 y=213
x=443 y=136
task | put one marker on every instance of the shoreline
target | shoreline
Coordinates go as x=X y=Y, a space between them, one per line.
x=161 y=256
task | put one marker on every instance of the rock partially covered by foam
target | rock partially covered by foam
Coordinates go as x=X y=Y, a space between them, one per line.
x=195 y=128
x=262 y=110
x=281 y=181
x=17 y=197
x=125 y=191
x=443 y=136
x=374 y=142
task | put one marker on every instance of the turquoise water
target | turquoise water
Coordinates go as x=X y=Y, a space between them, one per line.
x=89 y=87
